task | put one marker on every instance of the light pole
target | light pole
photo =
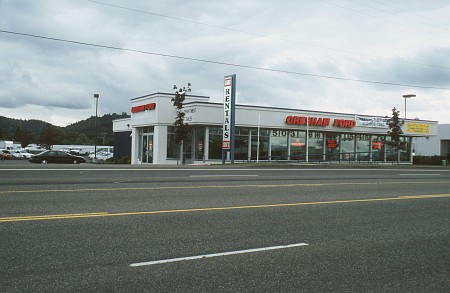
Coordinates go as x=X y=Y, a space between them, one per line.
x=407 y=97
x=96 y=96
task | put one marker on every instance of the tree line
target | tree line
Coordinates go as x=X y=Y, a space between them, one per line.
x=39 y=132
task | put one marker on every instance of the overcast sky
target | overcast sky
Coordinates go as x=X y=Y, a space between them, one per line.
x=406 y=43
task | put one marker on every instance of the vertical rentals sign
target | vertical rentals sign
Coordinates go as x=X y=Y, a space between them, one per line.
x=229 y=93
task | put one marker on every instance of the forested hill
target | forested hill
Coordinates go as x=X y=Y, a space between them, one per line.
x=79 y=133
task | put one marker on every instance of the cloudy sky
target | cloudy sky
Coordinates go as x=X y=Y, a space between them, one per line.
x=351 y=56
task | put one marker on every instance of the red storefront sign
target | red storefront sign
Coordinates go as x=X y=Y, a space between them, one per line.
x=331 y=143
x=319 y=121
x=142 y=108
x=377 y=145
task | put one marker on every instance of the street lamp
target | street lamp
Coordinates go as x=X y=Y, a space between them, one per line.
x=96 y=96
x=407 y=97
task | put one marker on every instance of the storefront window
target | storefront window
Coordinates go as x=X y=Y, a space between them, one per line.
x=362 y=147
x=347 y=147
x=215 y=143
x=241 y=147
x=332 y=146
x=145 y=152
x=378 y=147
x=172 y=147
x=263 y=144
x=298 y=145
x=391 y=152
x=278 y=143
x=315 y=146
x=149 y=129
x=405 y=149
x=199 y=140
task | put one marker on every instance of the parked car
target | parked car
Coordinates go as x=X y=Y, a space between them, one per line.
x=18 y=154
x=73 y=151
x=56 y=157
x=6 y=155
x=101 y=155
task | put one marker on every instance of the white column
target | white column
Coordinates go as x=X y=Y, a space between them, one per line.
x=160 y=144
x=134 y=146
x=206 y=143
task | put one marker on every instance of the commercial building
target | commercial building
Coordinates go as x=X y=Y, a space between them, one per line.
x=438 y=145
x=261 y=134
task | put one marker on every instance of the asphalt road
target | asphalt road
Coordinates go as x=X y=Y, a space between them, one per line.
x=246 y=228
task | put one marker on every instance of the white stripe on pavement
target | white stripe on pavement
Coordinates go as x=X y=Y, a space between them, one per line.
x=223 y=175
x=155 y=262
x=419 y=174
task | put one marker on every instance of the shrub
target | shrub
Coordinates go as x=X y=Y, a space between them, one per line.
x=428 y=160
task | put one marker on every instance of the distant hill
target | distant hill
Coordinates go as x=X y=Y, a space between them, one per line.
x=79 y=133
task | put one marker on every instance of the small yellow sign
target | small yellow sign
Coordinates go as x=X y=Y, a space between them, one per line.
x=417 y=128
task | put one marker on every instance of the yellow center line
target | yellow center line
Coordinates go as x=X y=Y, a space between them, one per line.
x=217 y=186
x=106 y=214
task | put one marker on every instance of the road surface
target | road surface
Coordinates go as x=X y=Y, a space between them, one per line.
x=224 y=229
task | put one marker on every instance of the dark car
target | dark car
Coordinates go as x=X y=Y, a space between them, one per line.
x=6 y=155
x=56 y=157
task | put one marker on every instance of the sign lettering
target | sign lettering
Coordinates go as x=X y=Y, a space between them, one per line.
x=142 y=108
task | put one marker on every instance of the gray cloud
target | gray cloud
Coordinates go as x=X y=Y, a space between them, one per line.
x=299 y=36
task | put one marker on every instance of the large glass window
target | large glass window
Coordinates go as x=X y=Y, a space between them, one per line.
x=347 y=146
x=199 y=142
x=378 y=147
x=315 y=146
x=332 y=146
x=145 y=152
x=403 y=152
x=391 y=152
x=172 y=147
x=405 y=149
x=263 y=144
x=297 y=144
x=362 y=147
x=241 y=143
x=278 y=143
x=215 y=143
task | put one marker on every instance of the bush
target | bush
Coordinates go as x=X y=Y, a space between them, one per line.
x=123 y=160
x=428 y=160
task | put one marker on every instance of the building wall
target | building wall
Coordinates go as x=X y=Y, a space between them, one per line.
x=157 y=111
x=435 y=145
x=122 y=144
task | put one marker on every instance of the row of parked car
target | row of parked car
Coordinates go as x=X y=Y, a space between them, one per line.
x=51 y=156
x=15 y=154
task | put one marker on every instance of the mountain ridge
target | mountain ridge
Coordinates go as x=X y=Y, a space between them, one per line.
x=81 y=132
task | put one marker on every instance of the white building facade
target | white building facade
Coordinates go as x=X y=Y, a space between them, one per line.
x=438 y=145
x=261 y=134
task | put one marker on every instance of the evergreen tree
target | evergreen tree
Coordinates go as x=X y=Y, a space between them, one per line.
x=82 y=139
x=18 y=134
x=48 y=136
x=27 y=138
x=395 y=125
x=182 y=129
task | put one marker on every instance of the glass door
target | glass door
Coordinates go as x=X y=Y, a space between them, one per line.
x=147 y=148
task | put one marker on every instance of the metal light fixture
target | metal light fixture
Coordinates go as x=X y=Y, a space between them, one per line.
x=96 y=96
x=407 y=97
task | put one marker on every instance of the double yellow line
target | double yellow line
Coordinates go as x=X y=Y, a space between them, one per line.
x=228 y=208
x=217 y=187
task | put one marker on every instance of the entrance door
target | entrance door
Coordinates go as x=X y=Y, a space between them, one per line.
x=147 y=148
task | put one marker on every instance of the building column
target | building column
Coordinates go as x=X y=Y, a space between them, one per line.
x=249 y=145
x=135 y=146
x=206 y=144
x=160 y=144
x=410 y=142
x=288 y=137
x=269 y=151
